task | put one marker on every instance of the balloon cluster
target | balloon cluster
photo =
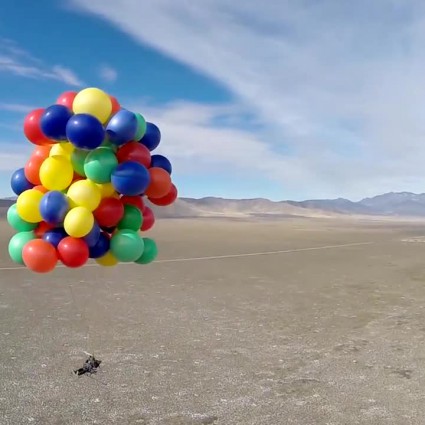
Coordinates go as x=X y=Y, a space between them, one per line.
x=81 y=193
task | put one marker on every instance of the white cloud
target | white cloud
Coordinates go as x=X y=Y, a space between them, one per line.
x=195 y=143
x=16 y=107
x=14 y=126
x=108 y=74
x=15 y=157
x=66 y=75
x=339 y=83
x=14 y=60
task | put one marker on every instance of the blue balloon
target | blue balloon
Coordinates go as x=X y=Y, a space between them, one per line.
x=152 y=136
x=53 y=207
x=122 y=127
x=161 y=161
x=85 y=131
x=54 y=120
x=19 y=183
x=130 y=178
x=101 y=247
x=54 y=236
x=93 y=236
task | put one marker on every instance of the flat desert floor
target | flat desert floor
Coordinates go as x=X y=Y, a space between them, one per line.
x=302 y=321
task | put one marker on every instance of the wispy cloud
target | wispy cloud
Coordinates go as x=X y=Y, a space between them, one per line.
x=15 y=157
x=108 y=74
x=15 y=60
x=195 y=142
x=66 y=75
x=340 y=83
x=16 y=107
x=15 y=126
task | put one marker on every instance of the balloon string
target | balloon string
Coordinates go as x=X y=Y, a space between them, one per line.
x=83 y=318
x=86 y=324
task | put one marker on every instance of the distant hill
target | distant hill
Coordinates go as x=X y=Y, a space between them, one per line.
x=4 y=205
x=338 y=206
x=211 y=206
x=403 y=204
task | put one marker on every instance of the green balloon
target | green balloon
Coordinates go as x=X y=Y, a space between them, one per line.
x=108 y=144
x=99 y=165
x=16 y=222
x=17 y=243
x=141 y=126
x=78 y=157
x=132 y=218
x=127 y=245
x=150 y=252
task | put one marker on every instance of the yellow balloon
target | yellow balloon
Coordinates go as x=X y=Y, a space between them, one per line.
x=84 y=193
x=108 y=260
x=107 y=190
x=78 y=222
x=93 y=101
x=27 y=205
x=63 y=149
x=56 y=172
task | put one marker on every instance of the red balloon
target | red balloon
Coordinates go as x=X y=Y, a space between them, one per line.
x=40 y=188
x=32 y=128
x=134 y=151
x=160 y=183
x=32 y=170
x=148 y=219
x=42 y=151
x=109 y=212
x=42 y=228
x=168 y=199
x=39 y=256
x=66 y=99
x=115 y=105
x=73 y=252
x=136 y=201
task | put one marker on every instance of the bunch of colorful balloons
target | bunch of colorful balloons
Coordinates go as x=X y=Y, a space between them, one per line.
x=81 y=193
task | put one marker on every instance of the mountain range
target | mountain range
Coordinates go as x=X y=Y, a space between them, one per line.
x=401 y=204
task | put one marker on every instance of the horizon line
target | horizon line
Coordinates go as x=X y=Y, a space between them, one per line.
x=7 y=198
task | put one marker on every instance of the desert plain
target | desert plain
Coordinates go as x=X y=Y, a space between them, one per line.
x=307 y=321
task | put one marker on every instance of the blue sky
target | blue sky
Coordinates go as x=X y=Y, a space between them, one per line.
x=285 y=100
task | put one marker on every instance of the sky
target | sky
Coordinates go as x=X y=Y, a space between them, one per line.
x=283 y=99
